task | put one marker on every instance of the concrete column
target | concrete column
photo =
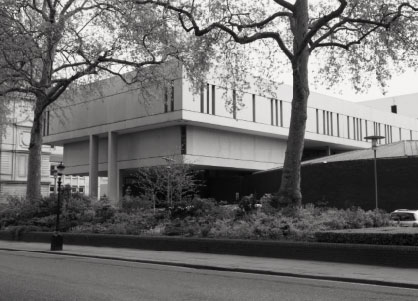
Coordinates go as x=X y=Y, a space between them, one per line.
x=93 y=166
x=112 y=167
x=328 y=151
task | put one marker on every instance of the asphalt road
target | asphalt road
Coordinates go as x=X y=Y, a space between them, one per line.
x=35 y=276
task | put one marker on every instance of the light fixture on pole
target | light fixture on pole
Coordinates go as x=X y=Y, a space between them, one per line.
x=55 y=175
x=168 y=160
x=374 y=140
x=56 y=239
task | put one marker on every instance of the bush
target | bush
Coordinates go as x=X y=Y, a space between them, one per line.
x=131 y=204
x=195 y=207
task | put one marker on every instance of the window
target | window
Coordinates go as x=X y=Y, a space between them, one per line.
x=323 y=122
x=254 y=108
x=332 y=124
x=51 y=189
x=207 y=97
x=183 y=135
x=165 y=100
x=338 y=125
x=234 y=104
x=81 y=189
x=328 y=127
x=390 y=134
x=202 y=99
x=281 y=113
x=394 y=109
x=276 y=111
x=348 y=127
x=172 y=95
x=365 y=122
x=73 y=189
x=213 y=99
x=272 y=109
x=354 y=128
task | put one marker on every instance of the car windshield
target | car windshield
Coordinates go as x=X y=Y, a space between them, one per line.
x=402 y=216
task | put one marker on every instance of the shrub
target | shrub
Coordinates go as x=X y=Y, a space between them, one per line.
x=131 y=204
x=103 y=211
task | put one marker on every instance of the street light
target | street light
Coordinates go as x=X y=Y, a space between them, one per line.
x=374 y=140
x=168 y=160
x=56 y=239
x=55 y=174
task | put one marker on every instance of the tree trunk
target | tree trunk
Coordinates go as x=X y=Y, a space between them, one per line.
x=290 y=192
x=33 y=188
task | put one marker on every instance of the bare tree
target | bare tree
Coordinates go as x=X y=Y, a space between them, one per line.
x=349 y=36
x=48 y=45
x=170 y=184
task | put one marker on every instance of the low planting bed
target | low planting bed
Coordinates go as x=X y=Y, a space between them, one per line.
x=406 y=236
x=195 y=218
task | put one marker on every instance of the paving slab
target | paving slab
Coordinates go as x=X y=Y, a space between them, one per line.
x=359 y=273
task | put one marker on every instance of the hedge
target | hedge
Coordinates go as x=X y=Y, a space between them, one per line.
x=404 y=239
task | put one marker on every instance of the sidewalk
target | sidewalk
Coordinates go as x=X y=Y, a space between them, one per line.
x=378 y=275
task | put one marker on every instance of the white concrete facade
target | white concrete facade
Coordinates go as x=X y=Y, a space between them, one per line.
x=105 y=133
x=405 y=105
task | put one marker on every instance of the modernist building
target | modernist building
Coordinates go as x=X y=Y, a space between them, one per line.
x=406 y=105
x=117 y=129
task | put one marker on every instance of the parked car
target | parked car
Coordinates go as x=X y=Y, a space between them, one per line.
x=404 y=218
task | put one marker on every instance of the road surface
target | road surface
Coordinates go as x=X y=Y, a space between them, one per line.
x=36 y=276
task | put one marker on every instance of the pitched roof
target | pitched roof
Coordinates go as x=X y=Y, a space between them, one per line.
x=406 y=148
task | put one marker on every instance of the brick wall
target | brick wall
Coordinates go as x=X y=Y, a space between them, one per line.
x=350 y=183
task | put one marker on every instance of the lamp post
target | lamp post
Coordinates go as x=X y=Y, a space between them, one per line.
x=56 y=239
x=55 y=174
x=168 y=160
x=374 y=140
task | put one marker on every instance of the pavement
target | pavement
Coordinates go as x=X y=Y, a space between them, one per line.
x=345 y=272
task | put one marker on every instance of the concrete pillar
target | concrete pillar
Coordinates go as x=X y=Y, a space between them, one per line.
x=328 y=151
x=93 y=166
x=112 y=167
